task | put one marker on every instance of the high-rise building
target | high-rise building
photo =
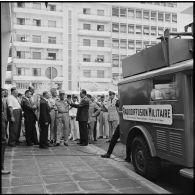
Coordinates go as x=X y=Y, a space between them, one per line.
x=81 y=45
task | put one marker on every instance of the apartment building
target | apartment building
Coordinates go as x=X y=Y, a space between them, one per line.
x=81 y=45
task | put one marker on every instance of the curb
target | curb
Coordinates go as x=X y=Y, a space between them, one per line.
x=152 y=186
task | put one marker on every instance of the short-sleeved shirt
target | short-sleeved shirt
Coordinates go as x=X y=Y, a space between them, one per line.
x=62 y=106
x=13 y=102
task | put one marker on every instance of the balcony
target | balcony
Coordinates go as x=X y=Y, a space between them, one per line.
x=96 y=64
x=93 y=79
x=37 y=28
x=45 y=61
x=94 y=33
x=94 y=47
x=30 y=78
x=33 y=11
x=94 y=18
x=37 y=45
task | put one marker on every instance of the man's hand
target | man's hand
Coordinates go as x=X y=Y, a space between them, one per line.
x=69 y=102
x=12 y=119
x=46 y=123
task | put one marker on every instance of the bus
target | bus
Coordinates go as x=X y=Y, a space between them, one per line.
x=156 y=106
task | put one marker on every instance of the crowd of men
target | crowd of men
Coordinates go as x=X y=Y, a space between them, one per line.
x=52 y=120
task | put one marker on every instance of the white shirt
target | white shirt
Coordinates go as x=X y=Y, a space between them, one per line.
x=73 y=111
x=12 y=101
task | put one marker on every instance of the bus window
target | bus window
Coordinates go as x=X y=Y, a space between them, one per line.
x=164 y=88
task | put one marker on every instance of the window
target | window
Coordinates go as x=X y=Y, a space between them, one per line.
x=36 y=5
x=20 y=4
x=131 y=44
x=86 y=26
x=20 y=54
x=131 y=29
x=10 y=52
x=153 y=16
x=87 y=73
x=36 y=39
x=174 y=30
x=86 y=11
x=86 y=42
x=115 y=11
x=51 y=56
x=164 y=88
x=100 y=58
x=36 y=22
x=52 y=7
x=20 y=38
x=52 y=40
x=153 y=43
x=123 y=12
x=115 y=75
x=138 y=30
x=160 y=31
x=100 y=73
x=36 y=55
x=86 y=58
x=123 y=28
x=138 y=45
x=100 y=12
x=115 y=43
x=51 y=23
x=146 y=44
x=115 y=60
x=9 y=67
x=21 y=21
x=146 y=30
x=153 y=30
x=174 y=18
x=138 y=14
x=100 y=27
x=146 y=15
x=100 y=43
x=115 y=27
x=20 y=71
x=168 y=17
x=160 y=17
x=131 y=13
x=36 y=72
x=123 y=43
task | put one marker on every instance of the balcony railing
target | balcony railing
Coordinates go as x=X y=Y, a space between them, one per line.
x=31 y=24
x=42 y=42
x=43 y=9
x=47 y=58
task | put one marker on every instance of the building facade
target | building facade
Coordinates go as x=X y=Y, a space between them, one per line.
x=81 y=45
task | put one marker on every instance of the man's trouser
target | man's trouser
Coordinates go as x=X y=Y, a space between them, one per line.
x=43 y=140
x=83 y=132
x=113 y=140
x=15 y=127
x=3 y=141
x=104 y=126
x=74 y=128
x=62 y=118
x=30 y=130
x=91 y=130
x=53 y=126
x=112 y=127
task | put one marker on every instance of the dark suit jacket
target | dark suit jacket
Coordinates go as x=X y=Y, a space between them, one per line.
x=27 y=107
x=83 y=109
x=44 y=112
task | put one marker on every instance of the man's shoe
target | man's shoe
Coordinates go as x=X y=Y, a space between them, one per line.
x=127 y=159
x=95 y=140
x=12 y=145
x=30 y=144
x=43 y=147
x=100 y=137
x=83 y=144
x=66 y=143
x=5 y=172
x=108 y=141
x=105 y=155
x=79 y=143
x=57 y=144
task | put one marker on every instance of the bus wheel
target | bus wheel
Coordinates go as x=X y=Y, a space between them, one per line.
x=143 y=163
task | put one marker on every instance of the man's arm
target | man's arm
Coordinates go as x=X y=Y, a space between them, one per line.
x=83 y=103
x=98 y=109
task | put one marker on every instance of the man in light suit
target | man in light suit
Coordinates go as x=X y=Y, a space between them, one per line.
x=82 y=117
x=44 y=120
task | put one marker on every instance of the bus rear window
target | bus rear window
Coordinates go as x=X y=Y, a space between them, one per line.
x=164 y=88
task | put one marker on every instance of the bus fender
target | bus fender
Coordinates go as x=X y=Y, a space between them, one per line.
x=147 y=136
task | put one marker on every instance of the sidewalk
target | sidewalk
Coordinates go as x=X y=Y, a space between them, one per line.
x=72 y=169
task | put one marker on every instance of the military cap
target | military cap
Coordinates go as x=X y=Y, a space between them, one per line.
x=111 y=93
x=61 y=92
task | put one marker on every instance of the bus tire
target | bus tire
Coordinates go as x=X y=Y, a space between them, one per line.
x=143 y=162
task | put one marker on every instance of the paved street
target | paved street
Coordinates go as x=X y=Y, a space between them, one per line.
x=73 y=169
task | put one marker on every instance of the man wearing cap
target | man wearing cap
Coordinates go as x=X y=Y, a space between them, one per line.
x=82 y=117
x=103 y=118
x=15 y=117
x=63 y=117
x=113 y=118
x=53 y=114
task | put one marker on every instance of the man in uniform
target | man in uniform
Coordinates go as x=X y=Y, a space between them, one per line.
x=63 y=117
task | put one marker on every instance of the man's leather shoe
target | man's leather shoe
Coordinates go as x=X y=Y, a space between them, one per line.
x=12 y=145
x=57 y=144
x=100 y=137
x=127 y=159
x=43 y=147
x=105 y=155
x=66 y=143
x=83 y=144
x=5 y=172
x=79 y=143
x=29 y=144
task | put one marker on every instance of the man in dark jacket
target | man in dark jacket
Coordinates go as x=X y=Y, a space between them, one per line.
x=82 y=117
x=44 y=120
x=29 y=119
